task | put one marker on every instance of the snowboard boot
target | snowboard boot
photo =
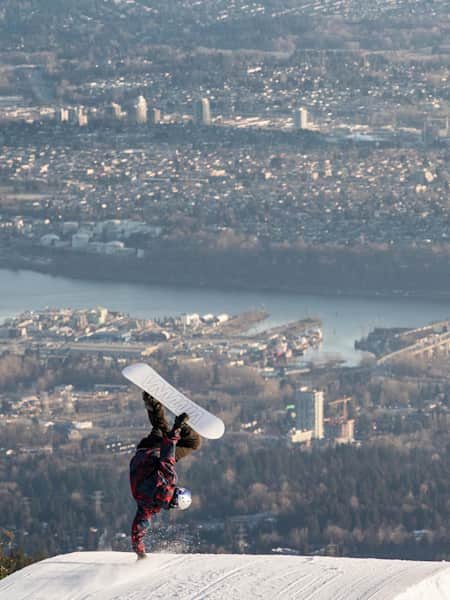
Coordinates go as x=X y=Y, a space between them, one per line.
x=141 y=555
x=151 y=404
x=156 y=415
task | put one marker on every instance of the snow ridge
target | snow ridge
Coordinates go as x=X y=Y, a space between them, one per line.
x=118 y=576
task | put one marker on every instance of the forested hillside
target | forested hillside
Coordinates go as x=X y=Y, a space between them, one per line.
x=372 y=501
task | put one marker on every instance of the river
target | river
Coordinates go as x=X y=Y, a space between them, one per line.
x=345 y=319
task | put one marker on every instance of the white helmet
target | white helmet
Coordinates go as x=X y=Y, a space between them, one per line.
x=181 y=499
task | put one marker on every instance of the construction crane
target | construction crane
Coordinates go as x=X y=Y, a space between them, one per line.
x=344 y=401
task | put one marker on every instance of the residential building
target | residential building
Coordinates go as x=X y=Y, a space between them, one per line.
x=309 y=408
x=202 y=112
x=141 y=110
x=301 y=118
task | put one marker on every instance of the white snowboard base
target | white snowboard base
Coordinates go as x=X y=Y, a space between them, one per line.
x=205 y=423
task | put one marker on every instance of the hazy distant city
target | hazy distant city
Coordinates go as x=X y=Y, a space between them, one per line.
x=210 y=130
x=274 y=145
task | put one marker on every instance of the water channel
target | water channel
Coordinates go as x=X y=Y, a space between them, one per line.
x=345 y=319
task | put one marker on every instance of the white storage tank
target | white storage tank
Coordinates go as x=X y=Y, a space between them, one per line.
x=80 y=240
x=209 y=318
x=113 y=247
x=50 y=239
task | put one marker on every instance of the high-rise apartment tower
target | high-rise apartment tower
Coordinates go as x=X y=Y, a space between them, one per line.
x=309 y=408
x=202 y=112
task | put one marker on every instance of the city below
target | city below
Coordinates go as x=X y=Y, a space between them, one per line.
x=253 y=198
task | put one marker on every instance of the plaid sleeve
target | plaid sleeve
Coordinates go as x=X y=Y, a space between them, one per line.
x=166 y=476
x=168 y=447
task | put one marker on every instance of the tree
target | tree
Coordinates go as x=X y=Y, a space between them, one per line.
x=11 y=559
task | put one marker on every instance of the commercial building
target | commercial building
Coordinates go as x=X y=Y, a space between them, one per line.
x=82 y=116
x=114 y=112
x=63 y=115
x=156 y=116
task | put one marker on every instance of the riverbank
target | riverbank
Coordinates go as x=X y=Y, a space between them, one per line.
x=179 y=274
x=345 y=319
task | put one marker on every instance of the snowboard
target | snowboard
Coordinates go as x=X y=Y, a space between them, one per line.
x=146 y=378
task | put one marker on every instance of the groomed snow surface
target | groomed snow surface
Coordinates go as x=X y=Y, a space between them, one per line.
x=119 y=576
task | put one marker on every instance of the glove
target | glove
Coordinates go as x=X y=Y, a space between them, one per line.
x=180 y=421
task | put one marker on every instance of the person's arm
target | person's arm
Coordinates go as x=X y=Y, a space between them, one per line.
x=167 y=455
x=168 y=447
x=139 y=528
x=166 y=475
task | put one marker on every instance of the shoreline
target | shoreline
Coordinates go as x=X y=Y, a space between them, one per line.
x=55 y=270
x=345 y=318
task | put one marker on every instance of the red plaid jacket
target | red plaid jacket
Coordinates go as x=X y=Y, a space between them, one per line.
x=152 y=480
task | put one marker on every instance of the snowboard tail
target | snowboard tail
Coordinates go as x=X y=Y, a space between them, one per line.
x=146 y=378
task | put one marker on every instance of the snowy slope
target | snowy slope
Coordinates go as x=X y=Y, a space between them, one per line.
x=118 y=576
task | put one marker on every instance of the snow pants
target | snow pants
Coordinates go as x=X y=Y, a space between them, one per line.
x=189 y=440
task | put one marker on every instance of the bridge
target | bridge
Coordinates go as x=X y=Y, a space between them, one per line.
x=424 y=348
x=432 y=327
x=133 y=350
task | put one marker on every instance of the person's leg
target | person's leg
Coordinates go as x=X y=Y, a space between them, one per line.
x=158 y=421
x=189 y=441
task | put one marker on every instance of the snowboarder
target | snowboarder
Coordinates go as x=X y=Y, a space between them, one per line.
x=152 y=469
